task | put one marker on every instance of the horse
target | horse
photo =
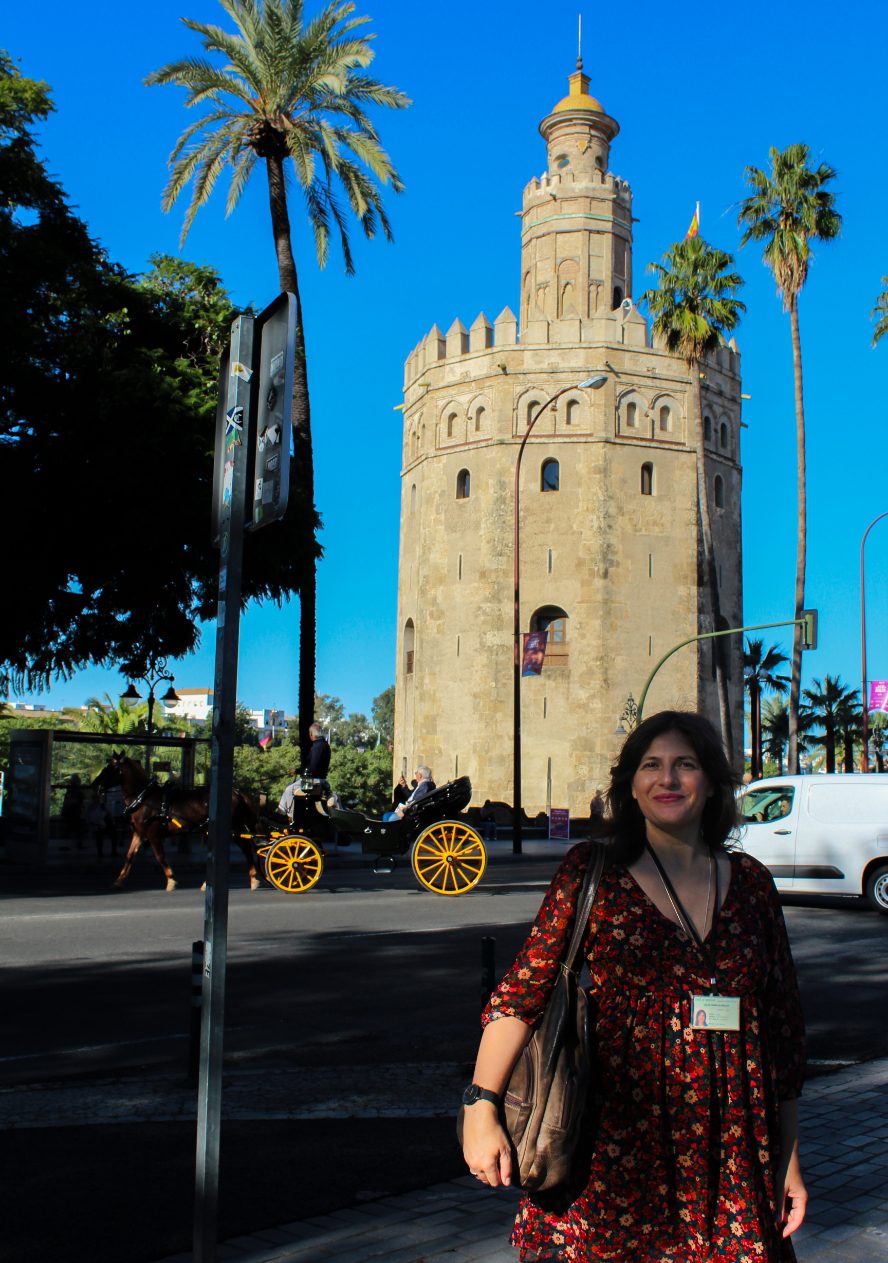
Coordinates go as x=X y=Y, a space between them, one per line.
x=159 y=811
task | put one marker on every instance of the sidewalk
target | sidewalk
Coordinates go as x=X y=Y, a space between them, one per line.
x=844 y=1119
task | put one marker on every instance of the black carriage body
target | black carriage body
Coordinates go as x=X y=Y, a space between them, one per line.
x=396 y=837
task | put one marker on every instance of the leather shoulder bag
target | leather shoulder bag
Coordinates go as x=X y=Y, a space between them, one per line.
x=545 y=1100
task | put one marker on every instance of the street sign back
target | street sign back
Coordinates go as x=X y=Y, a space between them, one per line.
x=274 y=363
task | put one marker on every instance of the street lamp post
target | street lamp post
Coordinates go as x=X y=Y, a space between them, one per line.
x=864 y=700
x=589 y=383
x=156 y=674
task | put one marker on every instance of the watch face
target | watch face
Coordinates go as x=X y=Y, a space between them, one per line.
x=470 y=1095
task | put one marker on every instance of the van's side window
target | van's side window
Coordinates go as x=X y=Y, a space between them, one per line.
x=763 y=806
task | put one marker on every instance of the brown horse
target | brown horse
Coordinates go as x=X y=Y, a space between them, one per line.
x=156 y=812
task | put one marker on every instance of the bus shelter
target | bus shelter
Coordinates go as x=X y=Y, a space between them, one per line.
x=47 y=764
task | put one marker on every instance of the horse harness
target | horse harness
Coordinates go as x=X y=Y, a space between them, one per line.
x=165 y=816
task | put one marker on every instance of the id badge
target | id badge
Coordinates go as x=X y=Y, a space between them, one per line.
x=715 y=1013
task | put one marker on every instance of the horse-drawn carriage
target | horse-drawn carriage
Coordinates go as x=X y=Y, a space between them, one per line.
x=447 y=854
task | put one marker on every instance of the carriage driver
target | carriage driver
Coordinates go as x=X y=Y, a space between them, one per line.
x=315 y=771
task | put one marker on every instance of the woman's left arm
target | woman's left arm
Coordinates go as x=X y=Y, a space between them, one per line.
x=791 y=1191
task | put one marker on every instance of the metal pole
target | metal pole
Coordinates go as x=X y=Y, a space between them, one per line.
x=231 y=532
x=148 y=750
x=197 y=963
x=864 y=700
x=728 y=631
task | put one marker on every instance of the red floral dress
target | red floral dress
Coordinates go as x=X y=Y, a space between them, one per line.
x=685 y=1142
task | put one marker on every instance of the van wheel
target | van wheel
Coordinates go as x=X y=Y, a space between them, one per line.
x=877 y=888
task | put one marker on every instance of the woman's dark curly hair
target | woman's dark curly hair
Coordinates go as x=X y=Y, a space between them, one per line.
x=625 y=823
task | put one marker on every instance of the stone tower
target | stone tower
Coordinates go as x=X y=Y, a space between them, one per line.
x=610 y=551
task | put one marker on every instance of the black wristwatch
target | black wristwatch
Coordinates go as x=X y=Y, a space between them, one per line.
x=473 y=1093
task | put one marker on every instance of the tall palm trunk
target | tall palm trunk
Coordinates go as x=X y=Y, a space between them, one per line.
x=802 y=543
x=710 y=570
x=303 y=473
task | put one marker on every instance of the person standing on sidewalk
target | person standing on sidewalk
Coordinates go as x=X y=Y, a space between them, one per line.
x=691 y=1151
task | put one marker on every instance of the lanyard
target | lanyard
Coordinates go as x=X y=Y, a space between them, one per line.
x=705 y=949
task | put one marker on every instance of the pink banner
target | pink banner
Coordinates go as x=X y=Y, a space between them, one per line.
x=878 y=698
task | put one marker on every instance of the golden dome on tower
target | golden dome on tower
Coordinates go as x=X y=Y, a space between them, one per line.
x=578 y=98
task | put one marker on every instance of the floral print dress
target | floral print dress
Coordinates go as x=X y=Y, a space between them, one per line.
x=683 y=1144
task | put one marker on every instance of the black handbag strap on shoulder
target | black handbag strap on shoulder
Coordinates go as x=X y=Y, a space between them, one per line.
x=585 y=900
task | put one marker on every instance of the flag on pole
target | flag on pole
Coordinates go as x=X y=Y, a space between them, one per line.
x=265 y=741
x=694 y=228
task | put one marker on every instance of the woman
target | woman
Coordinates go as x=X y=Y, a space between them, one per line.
x=692 y=1153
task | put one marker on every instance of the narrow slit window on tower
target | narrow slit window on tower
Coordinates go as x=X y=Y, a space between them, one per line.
x=459 y=567
x=572 y=414
x=479 y=419
x=723 y=436
x=451 y=422
x=463 y=484
x=719 y=492
x=549 y=562
x=409 y=642
x=531 y=411
x=707 y=429
x=457 y=646
x=650 y=646
x=650 y=565
x=665 y=419
x=545 y=706
x=550 y=475
x=647 y=479
x=413 y=498
x=631 y=415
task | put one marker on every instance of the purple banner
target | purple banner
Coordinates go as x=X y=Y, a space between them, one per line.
x=534 y=652
x=559 y=822
x=878 y=698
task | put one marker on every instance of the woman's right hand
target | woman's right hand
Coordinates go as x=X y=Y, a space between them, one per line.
x=486 y=1147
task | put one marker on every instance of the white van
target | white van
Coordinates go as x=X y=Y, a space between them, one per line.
x=820 y=834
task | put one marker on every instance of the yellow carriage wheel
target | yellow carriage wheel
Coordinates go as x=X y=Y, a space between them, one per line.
x=448 y=858
x=293 y=863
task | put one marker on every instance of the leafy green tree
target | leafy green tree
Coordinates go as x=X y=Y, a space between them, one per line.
x=297 y=90
x=828 y=702
x=880 y=313
x=760 y=675
x=107 y=381
x=363 y=780
x=787 y=210
x=692 y=308
x=113 y=717
x=263 y=772
x=383 y=713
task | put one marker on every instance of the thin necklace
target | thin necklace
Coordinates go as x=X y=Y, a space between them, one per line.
x=667 y=887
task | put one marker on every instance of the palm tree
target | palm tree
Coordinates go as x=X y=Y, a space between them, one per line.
x=288 y=89
x=788 y=209
x=878 y=726
x=760 y=675
x=693 y=307
x=114 y=717
x=775 y=730
x=849 y=730
x=880 y=313
x=828 y=702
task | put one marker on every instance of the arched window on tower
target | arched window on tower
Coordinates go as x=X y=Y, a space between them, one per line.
x=707 y=429
x=647 y=479
x=723 y=436
x=665 y=419
x=479 y=418
x=631 y=416
x=463 y=484
x=719 y=492
x=618 y=296
x=413 y=498
x=451 y=422
x=532 y=406
x=572 y=412
x=553 y=619
x=409 y=646
x=550 y=475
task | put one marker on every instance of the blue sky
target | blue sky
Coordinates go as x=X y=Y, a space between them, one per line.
x=699 y=94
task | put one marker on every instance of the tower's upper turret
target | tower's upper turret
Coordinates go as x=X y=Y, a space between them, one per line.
x=578 y=132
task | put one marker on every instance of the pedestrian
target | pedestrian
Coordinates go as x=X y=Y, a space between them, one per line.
x=596 y=806
x=690 y=1152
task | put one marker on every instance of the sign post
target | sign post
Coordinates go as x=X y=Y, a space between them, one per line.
x=230 y=484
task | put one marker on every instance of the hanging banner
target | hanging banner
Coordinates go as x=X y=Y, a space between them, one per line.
x=878 y=695
x=534 y=652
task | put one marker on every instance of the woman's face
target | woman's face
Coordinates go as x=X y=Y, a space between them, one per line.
x=670 y=786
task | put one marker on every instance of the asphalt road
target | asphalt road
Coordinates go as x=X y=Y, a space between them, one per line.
x=365 y=981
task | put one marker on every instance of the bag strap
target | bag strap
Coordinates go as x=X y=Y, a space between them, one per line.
x=585 y=900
